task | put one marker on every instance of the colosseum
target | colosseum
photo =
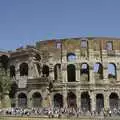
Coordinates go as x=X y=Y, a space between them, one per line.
x=74 y=72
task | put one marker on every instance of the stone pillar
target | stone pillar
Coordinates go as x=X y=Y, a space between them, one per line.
x=77 y=72
x=65 y=98
x=106 y=101
x=78 y=98
x=29 y=102
x=16 y=102
x=105 y=72
x=118 y=72
x=93 y=101
x=91 y=74
x=64 y=72
x=51 y=99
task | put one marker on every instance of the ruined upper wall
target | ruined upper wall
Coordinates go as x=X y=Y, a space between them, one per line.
x=84 y=47
x=72 y=44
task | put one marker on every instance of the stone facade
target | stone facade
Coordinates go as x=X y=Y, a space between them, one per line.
x=75 y=72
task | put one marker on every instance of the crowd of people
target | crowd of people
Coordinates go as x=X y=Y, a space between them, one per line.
x=57 y=112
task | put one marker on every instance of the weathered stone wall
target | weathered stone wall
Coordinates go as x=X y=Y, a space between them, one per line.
x=54 y=52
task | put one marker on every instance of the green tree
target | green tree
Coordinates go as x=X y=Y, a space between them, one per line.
x=5 y=82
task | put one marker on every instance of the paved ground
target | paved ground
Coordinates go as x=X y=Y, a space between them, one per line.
x=36 y=118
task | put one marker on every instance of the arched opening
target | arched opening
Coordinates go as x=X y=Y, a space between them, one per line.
x=12 y=71
x=85 y=102
x=45 y=71
x=98 y=70
x=57 y=70
x=112 y=71
x=71 y=73
x=24 y=69
x=58 y=100
x=22 y=100
x=113 y=101
x=71 y=100
x=4 y=60
x=37 y=99
x=99 y=102
x=71 y=57
x=84 y=71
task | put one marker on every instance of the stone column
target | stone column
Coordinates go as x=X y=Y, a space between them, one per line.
x=65 y=98
x=118 y=72
x=91 y=73
x=106 y=101
x=16 y=102
x=77 y=72
x=93 y=101
x=78 y=98
x=29 y=102
x=105 y=72
x=64 y=72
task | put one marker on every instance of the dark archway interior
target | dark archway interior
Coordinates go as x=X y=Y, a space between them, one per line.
x=37 y=99
x=85 y=102
x=71 y=100
x=114 y=101
x=4 y=60
x=99 y=102
x=24 y=69
x=71 y=73
x=58 y=100
x=12 y=71
x=22 y=100
x=45 y=71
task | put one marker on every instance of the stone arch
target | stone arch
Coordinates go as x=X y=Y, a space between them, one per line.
x=45 y=70
x=57 y=69
x=85 y=102
x=113 y=100
x=23 y=69
x=71 y=100
x=84 y=71
x=12 y=71
x=99 y=102
x=58 y=100
x=112 y=73
x=36 y=100
x=22 y=100
x=98 y=69
x=71 y=73
x=71 y=57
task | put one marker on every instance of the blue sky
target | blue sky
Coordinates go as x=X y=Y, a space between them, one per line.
x=24 y=22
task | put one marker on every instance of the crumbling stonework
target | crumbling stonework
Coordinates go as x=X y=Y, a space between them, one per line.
x=76 y=72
